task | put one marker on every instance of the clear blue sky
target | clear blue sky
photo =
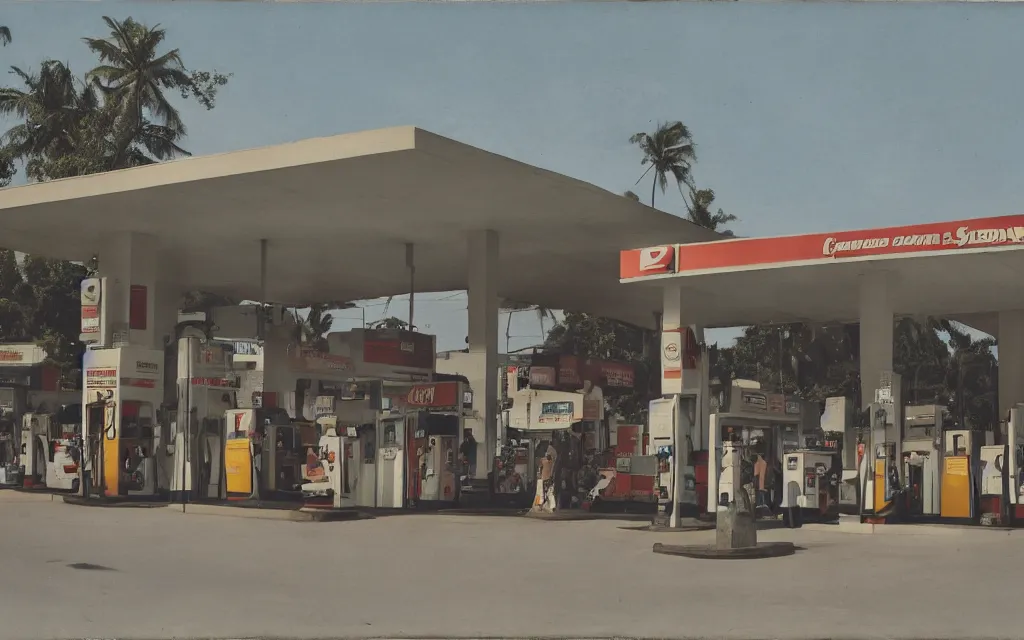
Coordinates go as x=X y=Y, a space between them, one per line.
x=808 y=117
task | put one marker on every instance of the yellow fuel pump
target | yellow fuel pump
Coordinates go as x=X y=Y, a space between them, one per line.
x=961 y=449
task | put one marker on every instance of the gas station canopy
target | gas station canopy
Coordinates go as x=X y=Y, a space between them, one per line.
x=337 y=214
x=964 y=270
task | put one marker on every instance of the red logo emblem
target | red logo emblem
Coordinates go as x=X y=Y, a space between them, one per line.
x=657 y=260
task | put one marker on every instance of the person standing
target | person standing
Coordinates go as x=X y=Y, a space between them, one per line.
x=468 y=451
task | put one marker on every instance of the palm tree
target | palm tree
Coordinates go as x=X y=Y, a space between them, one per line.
x=5 y=36
x=318 y=325
x=64 y=127
x=698 y=210
x=52 y=106
x=132 y=76
x=667 y=151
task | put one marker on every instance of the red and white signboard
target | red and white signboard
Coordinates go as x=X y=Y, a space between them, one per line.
x=89 y=297
x=936 y=238
x=437 y=395
x=101 y=378
x=650 y=261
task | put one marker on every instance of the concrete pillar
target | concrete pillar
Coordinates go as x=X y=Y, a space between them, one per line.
x=673 y=340
x=1011 y=360
x=876 y=328
x=165 y=305
x=483 y=335
x=684 y=374
x=129 y=263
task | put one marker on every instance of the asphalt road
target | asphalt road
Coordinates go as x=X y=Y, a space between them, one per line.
x=155 y=573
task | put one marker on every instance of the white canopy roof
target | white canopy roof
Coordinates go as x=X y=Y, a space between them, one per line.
x=337 y=213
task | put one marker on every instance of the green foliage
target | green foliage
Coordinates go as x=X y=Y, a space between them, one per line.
x=590 y=336
x=313 y=329
x=113 y=117
x=698 y=211
x=203 y=87
x=669 y=151
x=391 y=322
x=39 y=303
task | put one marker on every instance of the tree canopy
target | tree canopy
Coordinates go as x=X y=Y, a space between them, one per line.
x=119 y=114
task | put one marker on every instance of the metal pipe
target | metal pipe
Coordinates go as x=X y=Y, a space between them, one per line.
x=410 y=262
x=261 y=320
x=677 y=448
x=185 y=419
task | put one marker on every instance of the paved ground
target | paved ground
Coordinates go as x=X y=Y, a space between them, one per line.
x=174 y=575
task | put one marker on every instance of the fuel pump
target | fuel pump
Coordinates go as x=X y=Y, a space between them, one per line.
x=50 y=448
x=881 y=476
x=12 y=402
x=327 y=479
x=961 y=456
x=123 y=391
x=675 y=482
x=1015 y=463
x=730 y=480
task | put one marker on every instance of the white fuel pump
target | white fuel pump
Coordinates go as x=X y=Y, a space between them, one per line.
x=671 y=422
x=49 y=448
x=1002 y=484
x=880 y=472
x=327 y=484
x=730 y=480
x=208 y=387
x=840 y=432
x=1015 y=468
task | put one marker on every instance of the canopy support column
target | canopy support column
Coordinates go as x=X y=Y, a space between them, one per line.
x=683 y=377
x=129 y=263
x=876 y=329
x=1011 y=360
x=483 y=335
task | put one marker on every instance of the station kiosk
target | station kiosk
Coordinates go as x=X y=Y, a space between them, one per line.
x=422 y=429
x=124 y=390
x=573 y=390
x=29 y=385
x=208 y=385
x=767 y=425
x=385 y=404
x=545 y=420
